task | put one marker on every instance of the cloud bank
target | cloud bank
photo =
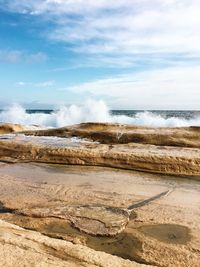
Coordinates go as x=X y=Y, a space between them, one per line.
x=125 y=27
x=158 y=39
x=173 y=88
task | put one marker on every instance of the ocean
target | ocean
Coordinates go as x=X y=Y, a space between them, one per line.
x=184 y=114
x=98 y=111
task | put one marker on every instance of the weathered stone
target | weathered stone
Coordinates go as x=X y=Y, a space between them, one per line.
x=122 y=134
x=20 y=247
x=149 y=158
x=7 y=128
x=164 y=233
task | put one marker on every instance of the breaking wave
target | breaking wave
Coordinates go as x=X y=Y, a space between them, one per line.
x=91 y=111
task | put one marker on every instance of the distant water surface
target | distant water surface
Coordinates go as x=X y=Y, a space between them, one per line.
x=186 y=114
x=99 y=112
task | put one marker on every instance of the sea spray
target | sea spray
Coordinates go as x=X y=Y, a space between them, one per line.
x=91 y=111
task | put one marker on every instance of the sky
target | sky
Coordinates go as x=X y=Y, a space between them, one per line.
x=133 y=54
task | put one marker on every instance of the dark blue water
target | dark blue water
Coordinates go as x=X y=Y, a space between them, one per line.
x=99 y=113
x=184 y=114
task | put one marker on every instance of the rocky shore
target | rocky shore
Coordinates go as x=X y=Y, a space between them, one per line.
x=61 y=205
x=169 y=151
x=20 y=247
x=108 y=133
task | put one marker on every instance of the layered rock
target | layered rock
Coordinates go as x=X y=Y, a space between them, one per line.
x=7 y=128
x=28 y=248
x=148 y=158
x=121 y=134
x=164 y=232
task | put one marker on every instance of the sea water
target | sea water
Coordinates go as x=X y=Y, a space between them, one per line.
x=98 y=111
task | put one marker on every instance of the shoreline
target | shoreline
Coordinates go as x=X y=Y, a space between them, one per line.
x=85 y=205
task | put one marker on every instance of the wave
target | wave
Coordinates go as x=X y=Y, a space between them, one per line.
x=90 y=111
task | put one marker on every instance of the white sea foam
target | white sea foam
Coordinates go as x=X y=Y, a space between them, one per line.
x=90 y=111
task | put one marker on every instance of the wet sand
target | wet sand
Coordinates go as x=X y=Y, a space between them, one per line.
x=168 y=227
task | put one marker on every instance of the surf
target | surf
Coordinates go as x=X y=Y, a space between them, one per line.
x=91 y=111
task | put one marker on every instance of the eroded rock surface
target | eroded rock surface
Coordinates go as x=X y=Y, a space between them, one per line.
x=9 y=128
x=95 y=220
x=81 y=204
x=122 y=134
x=20 y=247
x=149 y=158
x=164 y=232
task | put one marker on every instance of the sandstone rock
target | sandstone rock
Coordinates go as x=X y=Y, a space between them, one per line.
x=121 y=134
x=11 y=128
x=20 y=247
x=96 y=220
x=149 y=158
x=164 y=233
x=7 y=128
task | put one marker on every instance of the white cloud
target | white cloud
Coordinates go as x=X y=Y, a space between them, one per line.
x=122 y=27
x=45 y=84
x=10 y=56
x=61 y=6
x=161 y=33
x=39 y=85
x=175 y=87
x=15 y=56
x=21 y=83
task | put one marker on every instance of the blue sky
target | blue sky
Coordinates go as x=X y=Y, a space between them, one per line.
x=133 y=54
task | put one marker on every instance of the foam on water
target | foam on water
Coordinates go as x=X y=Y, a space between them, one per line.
x=90 y=111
